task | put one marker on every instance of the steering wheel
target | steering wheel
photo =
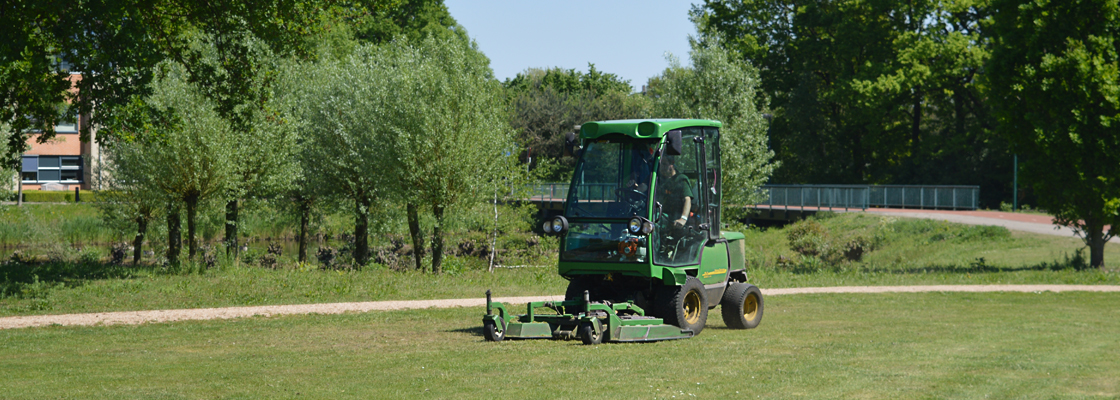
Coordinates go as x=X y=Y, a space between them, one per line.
x=633 y=198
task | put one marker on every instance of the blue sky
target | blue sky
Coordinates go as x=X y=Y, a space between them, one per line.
x=628 y=38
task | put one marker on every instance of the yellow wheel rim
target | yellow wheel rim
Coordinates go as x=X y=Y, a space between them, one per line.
x=692 y=307
x=750 y=307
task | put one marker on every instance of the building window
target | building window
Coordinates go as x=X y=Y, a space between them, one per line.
x=42 y=169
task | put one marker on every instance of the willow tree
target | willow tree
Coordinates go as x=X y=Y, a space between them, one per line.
x=186 y=158
x=722 y=88
x=450 y=143
x=343 y=130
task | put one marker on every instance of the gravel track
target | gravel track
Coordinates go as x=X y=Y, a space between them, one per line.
x=140 y=317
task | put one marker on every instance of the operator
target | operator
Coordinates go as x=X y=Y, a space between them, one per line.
x=676 y=192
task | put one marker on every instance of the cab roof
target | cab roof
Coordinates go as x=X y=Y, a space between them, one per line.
x=640 y=128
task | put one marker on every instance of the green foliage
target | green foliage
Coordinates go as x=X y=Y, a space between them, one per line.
x=66 y=196
x=546 y=104
x=808 y=237
x=722 y=88
x=1055 y=81
x=870 y=91
x=567 y=82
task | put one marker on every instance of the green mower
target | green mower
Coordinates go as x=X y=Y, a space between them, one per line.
x=640 y=241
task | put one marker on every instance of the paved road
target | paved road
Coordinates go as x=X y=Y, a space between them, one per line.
x=140 y=317
x=1034 y=223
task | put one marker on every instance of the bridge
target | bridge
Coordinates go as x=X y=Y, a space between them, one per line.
x=788 y=202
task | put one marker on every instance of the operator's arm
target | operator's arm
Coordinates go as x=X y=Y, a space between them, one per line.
x=684 y=212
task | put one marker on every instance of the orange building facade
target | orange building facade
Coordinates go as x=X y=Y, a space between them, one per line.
x=62 y=163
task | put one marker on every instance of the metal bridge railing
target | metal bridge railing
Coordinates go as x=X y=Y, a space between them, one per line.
x=948 y=197
x=820 y=196
x=551 y=192
x=864 y=196
x=912 y=196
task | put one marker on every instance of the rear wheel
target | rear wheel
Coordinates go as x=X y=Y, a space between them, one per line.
x=588 y=335
x=742 y=306
x=494 y=331
x=685 y=306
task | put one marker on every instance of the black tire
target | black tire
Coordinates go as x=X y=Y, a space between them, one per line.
x=588 y=335
x=685 y=306
x=493 y=332
x=575 y=289
x=742 y=306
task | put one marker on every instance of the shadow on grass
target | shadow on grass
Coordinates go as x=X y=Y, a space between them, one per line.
x=29 y=278
x=1076 y=262
x=473 y=331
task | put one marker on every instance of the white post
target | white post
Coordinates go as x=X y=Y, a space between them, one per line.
x=494 y=240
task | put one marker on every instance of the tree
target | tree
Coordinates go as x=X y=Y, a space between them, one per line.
x=1055 y=81
x=32 y=86
x=546 y=104
x=722 y=88
x=186 y=161
x=449 y=141
x=870 y=91
x=341 y=103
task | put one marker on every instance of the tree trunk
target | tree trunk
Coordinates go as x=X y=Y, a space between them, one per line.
x=138 y=243
x=192 y=213
x=417 y=236
x=174 y=241
x=1094 y=235
x=304 y=221
x=437 y=239
x=916 y=136
x=231 y=229
x=19 y=195
x=361 y=231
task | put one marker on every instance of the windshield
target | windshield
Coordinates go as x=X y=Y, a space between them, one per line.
x=603 y=242
x=612 y=179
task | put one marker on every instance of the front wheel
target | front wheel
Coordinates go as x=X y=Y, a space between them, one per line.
x=742 y=306
x=685 y=306
x=492 y=331
x=588 y=335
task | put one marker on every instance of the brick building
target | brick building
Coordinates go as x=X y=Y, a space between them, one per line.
x=63 y=162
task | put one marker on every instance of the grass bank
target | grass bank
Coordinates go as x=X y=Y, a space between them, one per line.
x=907 y=251
x=945 y=345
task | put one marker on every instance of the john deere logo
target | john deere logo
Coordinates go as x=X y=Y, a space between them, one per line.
x=715 y=272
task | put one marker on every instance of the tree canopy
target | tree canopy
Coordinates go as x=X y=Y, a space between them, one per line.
x=867 y=91
x=1055 y=84
x=720 y=87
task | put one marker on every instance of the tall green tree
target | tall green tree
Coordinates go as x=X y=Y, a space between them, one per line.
x=545 y=104
x=450 y=144
x=187 y=161
x=344 y=133
x=32 y=86
x=1055 y=82
x=720 y=87
x=870 y=91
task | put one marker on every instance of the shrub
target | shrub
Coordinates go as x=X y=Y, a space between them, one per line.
x=809 y=238
x=66 y=196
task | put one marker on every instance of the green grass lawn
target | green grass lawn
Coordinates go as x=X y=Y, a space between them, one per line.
x=929 y=345
x=906 y=252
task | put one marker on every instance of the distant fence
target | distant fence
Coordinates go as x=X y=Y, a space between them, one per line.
x=865 y=196
x=946 y=197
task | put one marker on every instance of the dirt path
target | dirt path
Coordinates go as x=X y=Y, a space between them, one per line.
x=140 y=317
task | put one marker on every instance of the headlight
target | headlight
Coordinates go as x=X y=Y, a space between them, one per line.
x=635 y=225
x=639 y=226
x=557 y=225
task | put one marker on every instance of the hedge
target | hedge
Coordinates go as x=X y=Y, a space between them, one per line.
x=40 y=196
